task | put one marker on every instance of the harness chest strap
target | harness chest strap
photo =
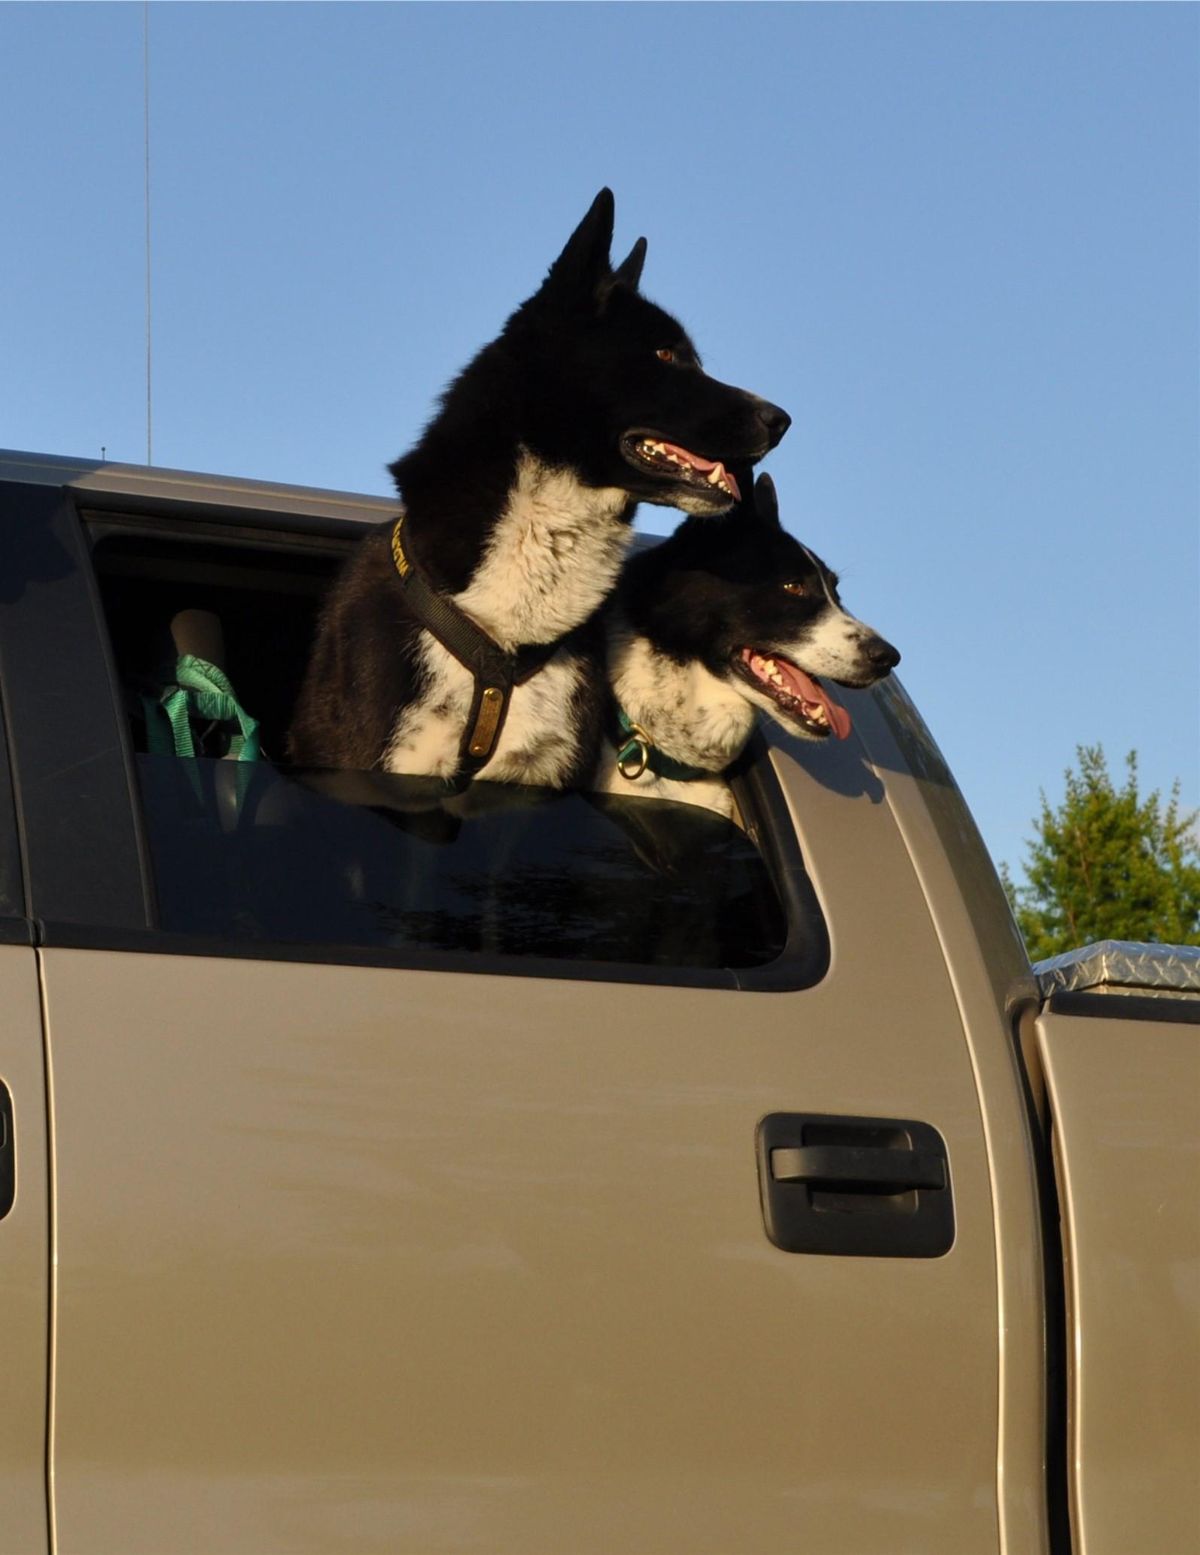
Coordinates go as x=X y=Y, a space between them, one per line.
x=494 y=671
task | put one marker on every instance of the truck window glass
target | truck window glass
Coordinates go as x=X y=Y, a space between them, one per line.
x=242 y=850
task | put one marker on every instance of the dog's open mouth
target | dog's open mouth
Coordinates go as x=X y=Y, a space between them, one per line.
x=797 y=695
x=648 y=452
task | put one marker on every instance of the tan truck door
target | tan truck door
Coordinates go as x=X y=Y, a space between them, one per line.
x=382 y=1259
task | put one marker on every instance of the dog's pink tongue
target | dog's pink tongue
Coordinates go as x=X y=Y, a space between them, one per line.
x=809 y=691
x=706 y=467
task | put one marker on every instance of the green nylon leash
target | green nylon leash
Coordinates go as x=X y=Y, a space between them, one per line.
x=202 y=692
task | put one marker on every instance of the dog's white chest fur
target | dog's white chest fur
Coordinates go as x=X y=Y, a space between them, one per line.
x=700 y=719
x=551 y=559
x=684 y=709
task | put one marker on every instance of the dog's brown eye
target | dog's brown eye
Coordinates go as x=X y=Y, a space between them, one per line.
x=795 y=588
x=665 y=354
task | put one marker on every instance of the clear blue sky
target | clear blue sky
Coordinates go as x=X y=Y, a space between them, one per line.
x=958 y=243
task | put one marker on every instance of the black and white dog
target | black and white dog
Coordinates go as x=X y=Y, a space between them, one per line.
x=451 y=642
x=721 y=620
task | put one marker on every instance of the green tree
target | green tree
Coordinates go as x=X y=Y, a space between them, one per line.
x=1108 y=864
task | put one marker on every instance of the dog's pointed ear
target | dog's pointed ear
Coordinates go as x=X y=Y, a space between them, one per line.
x=629 y=271
x=583 y=266
x=766 y=503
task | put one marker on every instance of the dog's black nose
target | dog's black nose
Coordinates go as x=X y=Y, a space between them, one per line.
x=775 y=420
x=880 y=655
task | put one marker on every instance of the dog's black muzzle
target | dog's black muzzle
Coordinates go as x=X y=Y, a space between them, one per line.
x=775 y=422
x=740 y=425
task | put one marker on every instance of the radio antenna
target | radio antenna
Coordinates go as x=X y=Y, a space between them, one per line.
x=146 y=140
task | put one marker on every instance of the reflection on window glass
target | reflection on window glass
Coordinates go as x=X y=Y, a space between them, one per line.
x=246 y=852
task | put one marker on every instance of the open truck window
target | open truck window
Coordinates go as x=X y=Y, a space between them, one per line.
x=250 y=853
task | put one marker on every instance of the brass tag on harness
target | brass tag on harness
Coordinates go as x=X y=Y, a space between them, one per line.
x=483 y=736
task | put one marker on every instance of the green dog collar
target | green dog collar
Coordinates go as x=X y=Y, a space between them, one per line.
x=637 y=753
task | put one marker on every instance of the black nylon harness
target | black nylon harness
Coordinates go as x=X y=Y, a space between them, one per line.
x=494 y=671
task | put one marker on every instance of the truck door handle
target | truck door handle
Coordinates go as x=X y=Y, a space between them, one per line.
x=8 y=1163
x=854 y=1187
x=858 y=1168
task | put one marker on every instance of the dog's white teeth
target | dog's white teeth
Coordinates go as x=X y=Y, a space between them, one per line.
x=652 y=448
x=766 y=669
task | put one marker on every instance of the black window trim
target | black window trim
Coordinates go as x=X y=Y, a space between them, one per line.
x=127 y=918
x=15 y=927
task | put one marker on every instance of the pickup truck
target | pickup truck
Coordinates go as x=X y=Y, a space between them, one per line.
x=546 y=1173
